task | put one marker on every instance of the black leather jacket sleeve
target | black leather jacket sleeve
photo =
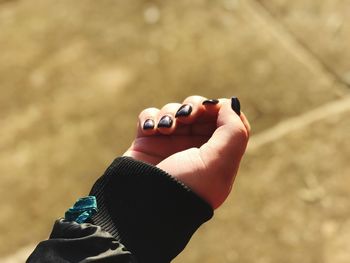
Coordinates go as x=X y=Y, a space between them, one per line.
x=144 y=215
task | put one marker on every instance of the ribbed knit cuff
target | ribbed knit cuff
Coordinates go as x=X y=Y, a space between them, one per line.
x=147 y=210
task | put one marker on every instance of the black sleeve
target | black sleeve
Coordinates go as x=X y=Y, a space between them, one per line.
x=73 y=242
x=142 y=207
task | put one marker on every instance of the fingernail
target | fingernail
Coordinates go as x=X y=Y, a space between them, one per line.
x=148 y=124
x=165 y=122
x=210 y=102
x=236 y=105
x=184 y=111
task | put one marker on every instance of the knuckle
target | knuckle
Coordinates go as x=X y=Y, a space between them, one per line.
x=147 y=112
x=170 y=108
x=193 y=98
x=242 y=133
x=170 y=105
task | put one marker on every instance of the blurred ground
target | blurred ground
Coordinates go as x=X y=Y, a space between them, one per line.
x=75 y=74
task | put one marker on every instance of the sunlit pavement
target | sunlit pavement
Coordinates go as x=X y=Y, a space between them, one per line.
x=74 y=75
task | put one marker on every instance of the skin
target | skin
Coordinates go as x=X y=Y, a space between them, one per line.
x=202 y=150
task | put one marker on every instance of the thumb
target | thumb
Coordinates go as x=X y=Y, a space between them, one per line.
x=225 y=148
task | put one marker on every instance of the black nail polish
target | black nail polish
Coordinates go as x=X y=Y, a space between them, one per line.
x=236 y=105
x=184 y=111
x=165 y=122
x=148 y=124
x=210 y=102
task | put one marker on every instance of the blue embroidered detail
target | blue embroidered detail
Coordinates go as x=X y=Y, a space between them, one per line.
x=83 y=209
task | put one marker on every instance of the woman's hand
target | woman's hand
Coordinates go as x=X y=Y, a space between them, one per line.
x=200 y=142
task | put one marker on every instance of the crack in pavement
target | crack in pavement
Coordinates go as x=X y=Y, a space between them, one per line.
x=298 y=48
x=295 y=123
